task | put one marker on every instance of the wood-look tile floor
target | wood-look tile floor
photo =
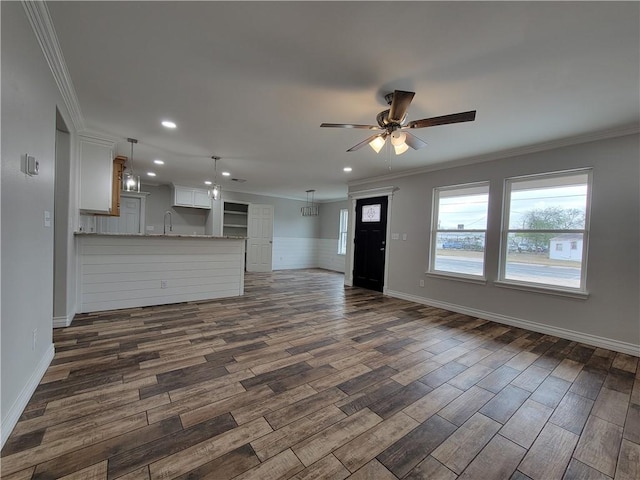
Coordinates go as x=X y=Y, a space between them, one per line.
x=303 y=378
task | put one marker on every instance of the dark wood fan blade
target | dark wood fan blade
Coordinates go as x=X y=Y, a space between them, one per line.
x=367 y=141
x=399 y=105
x=414 y=142
x=350 y=125
x=443 y=120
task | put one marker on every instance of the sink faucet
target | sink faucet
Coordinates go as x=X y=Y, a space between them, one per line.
x=164 y=221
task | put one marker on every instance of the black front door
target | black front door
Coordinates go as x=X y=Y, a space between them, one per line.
x=370 y=243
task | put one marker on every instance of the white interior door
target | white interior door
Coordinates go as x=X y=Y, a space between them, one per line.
x=129 y=219
x=260 y=241
x=127 y=222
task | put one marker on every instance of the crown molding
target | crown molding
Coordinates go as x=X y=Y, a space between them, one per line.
x=513 y=152
x=100 y=136
x=373 y=192
x=42 y=25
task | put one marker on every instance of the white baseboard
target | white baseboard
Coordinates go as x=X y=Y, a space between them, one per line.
x=13 y=415
x=596 y=341
x=61 y=322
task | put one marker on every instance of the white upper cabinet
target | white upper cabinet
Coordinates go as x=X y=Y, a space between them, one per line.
x=191 y=197
x=201 y=199
x=96 y=174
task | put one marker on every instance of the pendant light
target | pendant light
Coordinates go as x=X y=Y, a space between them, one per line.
x=130 y=181
x=311 y=208
x=215 y=189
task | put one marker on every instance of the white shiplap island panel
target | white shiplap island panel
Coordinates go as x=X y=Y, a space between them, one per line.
x=124 y=271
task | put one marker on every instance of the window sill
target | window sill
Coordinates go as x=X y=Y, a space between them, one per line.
x=458 y=277
x=543 y=289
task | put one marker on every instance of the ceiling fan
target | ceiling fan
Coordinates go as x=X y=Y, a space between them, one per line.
x=393 y=123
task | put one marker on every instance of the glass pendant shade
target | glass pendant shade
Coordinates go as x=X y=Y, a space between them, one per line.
x=131 y=182
x=214 y=192
x=400 y=149
x=377 y=144
x=398 y=138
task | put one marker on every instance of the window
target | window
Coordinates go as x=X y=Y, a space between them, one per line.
x=547 y=217
x=342 y=236
x=459 y=230
x=371 y=213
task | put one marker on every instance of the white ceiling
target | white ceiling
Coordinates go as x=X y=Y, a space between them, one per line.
x=252 y=81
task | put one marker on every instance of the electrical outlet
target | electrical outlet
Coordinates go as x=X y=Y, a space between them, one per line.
x=163 y=284
x=34 y=338
x=422 y=283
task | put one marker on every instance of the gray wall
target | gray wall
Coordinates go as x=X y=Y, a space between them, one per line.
x=287 y=220
x=612 y=310
x=330 y=218
x=186 y=220
x=29 y=101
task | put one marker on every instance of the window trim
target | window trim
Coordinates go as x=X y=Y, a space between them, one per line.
x=502 y=281
x=344 y=212
x=435 y=214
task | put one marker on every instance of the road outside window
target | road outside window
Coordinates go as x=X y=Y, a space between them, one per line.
x=459 y=230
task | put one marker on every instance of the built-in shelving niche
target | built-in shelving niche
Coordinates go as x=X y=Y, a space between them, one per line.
x=234 y=219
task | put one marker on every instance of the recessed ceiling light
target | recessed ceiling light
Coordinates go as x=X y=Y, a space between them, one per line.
x=347 y=169
x=159 y=162
x=168 y=124
x=151 y=174
x=226 y=174
x=207 y=182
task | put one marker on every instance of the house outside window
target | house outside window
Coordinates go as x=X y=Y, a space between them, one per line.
x=458 y=232
x=547 y=217
x=342 y=235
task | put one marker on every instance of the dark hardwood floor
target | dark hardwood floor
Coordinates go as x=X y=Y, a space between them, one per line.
x=303 y=378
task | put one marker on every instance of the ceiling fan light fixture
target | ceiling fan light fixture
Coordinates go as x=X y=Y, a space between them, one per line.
x=398 y=138
x=377 y=144
x=400 y=149
x=393 y=120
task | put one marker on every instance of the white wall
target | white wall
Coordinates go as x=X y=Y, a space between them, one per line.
x=136 y=271
x=609 y=317
x=29 y=101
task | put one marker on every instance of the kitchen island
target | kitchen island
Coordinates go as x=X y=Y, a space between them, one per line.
x=134 y=270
